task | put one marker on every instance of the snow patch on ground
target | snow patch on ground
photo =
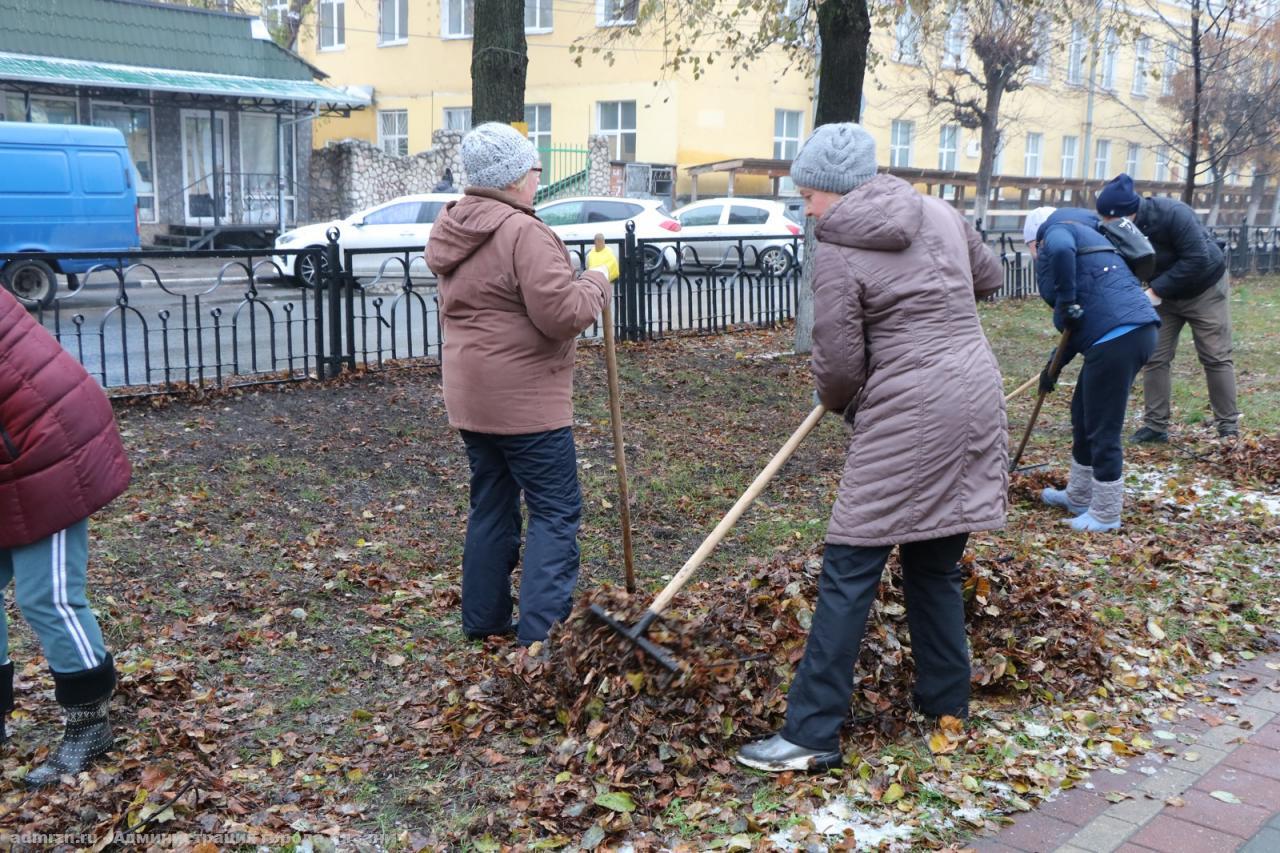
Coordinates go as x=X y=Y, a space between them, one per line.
x=1213 y=498
x=841 y=815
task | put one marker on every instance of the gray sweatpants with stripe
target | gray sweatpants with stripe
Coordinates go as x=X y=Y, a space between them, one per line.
x=49 y=585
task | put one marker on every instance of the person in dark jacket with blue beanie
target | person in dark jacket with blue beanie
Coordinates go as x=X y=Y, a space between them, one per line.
x=1113 y=325
x=1190 y=288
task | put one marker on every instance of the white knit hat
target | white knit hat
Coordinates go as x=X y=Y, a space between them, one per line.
x=1033 y=222
x=496 y=155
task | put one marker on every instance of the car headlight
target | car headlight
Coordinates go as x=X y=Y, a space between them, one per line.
x=286 y=238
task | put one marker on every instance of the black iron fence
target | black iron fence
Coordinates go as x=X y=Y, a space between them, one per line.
x=159 y=321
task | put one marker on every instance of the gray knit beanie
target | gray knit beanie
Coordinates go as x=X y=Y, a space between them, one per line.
x=496 y=155
x=835 y=158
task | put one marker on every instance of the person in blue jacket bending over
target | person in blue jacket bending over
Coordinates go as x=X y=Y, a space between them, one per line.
x=1113 y=324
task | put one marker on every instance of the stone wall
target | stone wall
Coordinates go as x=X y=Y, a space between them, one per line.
x=599 y=170
x=352 y=174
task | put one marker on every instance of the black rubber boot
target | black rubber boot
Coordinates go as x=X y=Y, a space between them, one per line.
x=6 y=698
x=84 y=697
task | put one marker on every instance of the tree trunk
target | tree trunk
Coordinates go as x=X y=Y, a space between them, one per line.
x=1215 y=202
x=990 y=144
x=499 y=59
x=1275 y=208
x=844 y=31
x=1197 y=90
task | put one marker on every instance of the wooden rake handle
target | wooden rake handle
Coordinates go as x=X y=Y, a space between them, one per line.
x=731 y=517
x=619 y=449
x=1035 y=412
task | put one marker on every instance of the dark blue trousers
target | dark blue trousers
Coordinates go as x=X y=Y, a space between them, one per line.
x=542 y=466
x=1101 y=397
x=818 y=701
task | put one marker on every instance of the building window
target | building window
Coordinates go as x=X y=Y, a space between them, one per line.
x=1110 y=47
x=1162 y=163
x=393 y=21
x=1031 y=159
x=1043 y=42
x=1141 y=60
x=953 y=44
x=1170 y=69
x=900 y=143
x=457 y=18
x=38 y=109
x=537 y=16
x=614 y=13
x=907 y=38
x=1069 y=144
x=1075 y=56
x=537 y=117
x=948 y=144
x=275 y=13
x=457 y=118
x=786 y=133
x=1132 y=160
x=393 y=132
x=1102 y=160
x=135 y=124
x=333 y=24
x=616 y=121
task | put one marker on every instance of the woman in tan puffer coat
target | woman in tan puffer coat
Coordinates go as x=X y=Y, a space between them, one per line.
x=898 y=349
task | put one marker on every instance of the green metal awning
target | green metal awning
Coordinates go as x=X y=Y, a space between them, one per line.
x=71 y=72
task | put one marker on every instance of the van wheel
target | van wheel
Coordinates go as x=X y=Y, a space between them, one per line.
x=31 y=281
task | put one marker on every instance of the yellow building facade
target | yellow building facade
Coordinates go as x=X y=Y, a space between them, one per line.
x=1068 y=121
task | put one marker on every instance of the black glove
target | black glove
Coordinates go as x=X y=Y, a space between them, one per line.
x=1072 y=315
x=1048 y=376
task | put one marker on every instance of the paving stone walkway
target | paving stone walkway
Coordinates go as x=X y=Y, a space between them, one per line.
x=1219 y=793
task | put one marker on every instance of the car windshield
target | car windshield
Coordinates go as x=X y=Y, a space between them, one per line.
x=430 y=211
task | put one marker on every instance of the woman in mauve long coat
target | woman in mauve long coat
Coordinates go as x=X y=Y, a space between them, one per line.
x=898 y=349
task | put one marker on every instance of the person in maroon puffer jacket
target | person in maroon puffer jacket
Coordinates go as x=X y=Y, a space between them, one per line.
x=61 y=460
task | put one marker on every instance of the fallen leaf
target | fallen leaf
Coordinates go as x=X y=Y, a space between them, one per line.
x=1226 y=797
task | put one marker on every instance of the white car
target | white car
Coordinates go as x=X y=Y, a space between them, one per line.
x=403 y=221
x=739 y=227
x=585 y=217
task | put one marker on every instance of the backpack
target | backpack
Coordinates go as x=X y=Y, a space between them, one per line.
x=1130 y=244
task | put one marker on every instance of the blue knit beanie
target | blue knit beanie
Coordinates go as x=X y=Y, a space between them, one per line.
x=496 y=155
x=835 y=158
x=1118 y=198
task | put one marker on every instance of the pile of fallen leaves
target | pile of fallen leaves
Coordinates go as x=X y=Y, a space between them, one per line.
x=1253 y=460
x=633 y=737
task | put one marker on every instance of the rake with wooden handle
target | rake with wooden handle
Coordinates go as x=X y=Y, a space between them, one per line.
x=1054 y=367
x=619 y=449
x=635 y=634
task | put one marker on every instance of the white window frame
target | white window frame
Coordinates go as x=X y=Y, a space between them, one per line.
x=1110 y=52
x=1102 y=160
x=956 y=40
x=154 y=214
x=1162 y=163
x=785 y=144
x=1141 y=63
x=1031 y=156
x=1043 y=42
x=1170 y=68
x=540 y=133
x=1075 y=55
x=450 y=118
x=5 y=94
x=948 y=147
x=338 y=27
x=400 y=34
x=401 y=135
x=616 y=135
x=1133 y=160
x=275 y=13
x=468 y=25
x=1070 y=156
x=900 y=151
x=906 y=47
x=616 y=13
x=543 y=16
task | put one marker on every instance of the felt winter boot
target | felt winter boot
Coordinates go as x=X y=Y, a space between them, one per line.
x=1104 y=508
x=84 y=697
x=6 y=697
x=1075 y=497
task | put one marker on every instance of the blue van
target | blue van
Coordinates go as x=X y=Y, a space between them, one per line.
x=63 y=188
